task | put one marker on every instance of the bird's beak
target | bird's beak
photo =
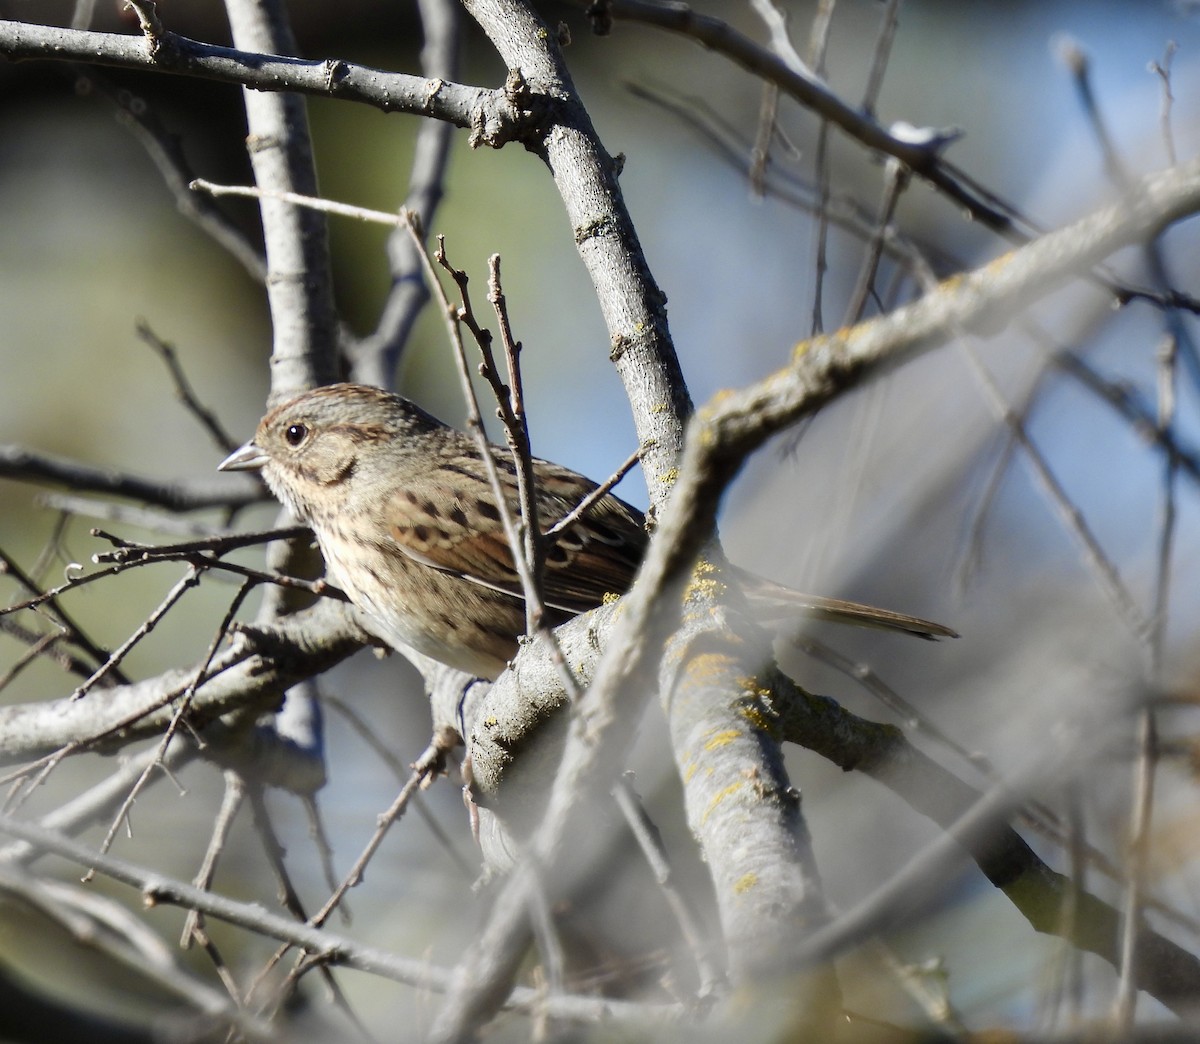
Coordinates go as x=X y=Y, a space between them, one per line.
x=246 y=458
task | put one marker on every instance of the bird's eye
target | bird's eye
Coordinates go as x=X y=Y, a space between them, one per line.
x=295 y=434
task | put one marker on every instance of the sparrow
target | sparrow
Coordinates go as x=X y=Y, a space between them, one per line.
x=407 y=521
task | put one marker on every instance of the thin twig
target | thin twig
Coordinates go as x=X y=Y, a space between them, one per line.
x=1130 y=406
x=96 y=802
x=1167 y=377
x=1140 y=842
x=650 y=842
x=1071 y=516
x=1163 y=71
x=1076 y=60
x=39 y=645
x=1118 y=174
x=541 y=923
x=217 y=543
x=730 y=144
x=911 y=718
x=290 y=898
x=49 y=599
x=220 y=965
x=189 y=580
x=818 y=35
x=183 y=388
x=165 y=149
x=146 y=554
x=601 y=491
x=17 y=462
x=426 y=765
x=530 y=581
x=179 y=716
x=760 y=151
x=126 y=514
x=231 y=803
x=775 y=19
x=320 y=839
x=384 y=751
x=880 y=55
x=148 y=21
x=1146 y=764
x=1077 y=849
x=896 y=181
x=329 y=206
x=307 y=962
x=52 y=551
x=818 y=46
x=516 y=427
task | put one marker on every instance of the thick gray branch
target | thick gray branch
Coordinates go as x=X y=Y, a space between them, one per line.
x=252 y=675
x=492 y=120
x=299 y=278
x=375 y=358
x=586 y=177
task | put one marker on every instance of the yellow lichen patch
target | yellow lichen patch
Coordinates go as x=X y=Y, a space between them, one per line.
x=704 y=585
x=719 y=797
x=822 y=342
x=689 y=771
x=707 y=591
x=993 y=266
x=757 y=719
x=744 y=883
x=804 y=347
x=708 y=667
x=609 y=598
x=674 y=653
x=753 y=688
x=722 y=739
x=670 y=477
x=954 y=282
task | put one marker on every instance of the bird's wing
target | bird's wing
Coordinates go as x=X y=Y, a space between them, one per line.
x=448 y=520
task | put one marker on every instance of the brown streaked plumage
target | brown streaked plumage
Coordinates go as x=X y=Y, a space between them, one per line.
x=407 y=521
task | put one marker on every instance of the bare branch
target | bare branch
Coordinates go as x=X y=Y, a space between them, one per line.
x=376 y=357
x=166 y=152
x=489 y=114
x=339 y=949
x=17 y=462
x=922 y=157
x=253 y=674
x=299 y=280
x=183 y=387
